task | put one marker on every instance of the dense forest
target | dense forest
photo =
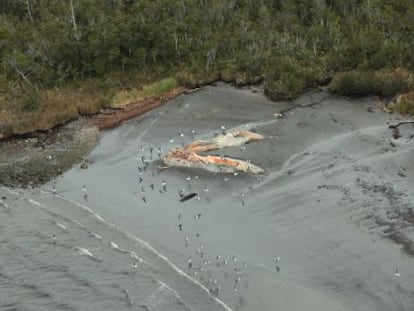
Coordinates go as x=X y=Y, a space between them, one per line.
x=366 y=46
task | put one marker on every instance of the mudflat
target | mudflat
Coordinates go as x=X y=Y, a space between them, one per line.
x=328 y=226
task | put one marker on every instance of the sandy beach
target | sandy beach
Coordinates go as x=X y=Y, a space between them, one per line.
x=326 y=227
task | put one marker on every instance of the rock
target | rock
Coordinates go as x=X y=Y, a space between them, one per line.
x=84 y=165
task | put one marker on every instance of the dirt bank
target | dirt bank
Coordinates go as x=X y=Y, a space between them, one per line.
x=35 y=158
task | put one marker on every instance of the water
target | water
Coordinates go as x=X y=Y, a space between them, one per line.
x=57 y=255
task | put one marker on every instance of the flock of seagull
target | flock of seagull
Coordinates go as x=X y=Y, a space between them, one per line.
x=197 y=263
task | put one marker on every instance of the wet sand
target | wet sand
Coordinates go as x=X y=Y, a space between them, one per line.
x=336 y=188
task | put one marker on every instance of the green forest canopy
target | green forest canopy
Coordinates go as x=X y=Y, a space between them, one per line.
x=292 y=44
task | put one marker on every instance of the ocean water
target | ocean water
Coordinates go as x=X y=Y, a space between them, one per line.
x=59 y=255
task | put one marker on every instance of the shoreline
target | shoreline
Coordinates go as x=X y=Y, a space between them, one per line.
x=29 y=148
x=33 y=159
x=27 y=158
x=332 y=173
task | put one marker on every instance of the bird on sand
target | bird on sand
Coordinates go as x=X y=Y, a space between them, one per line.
x=164 y=188
x=397 y=272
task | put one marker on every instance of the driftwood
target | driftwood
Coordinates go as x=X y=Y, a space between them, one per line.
x=401 y=123
x=396 y=131
x=188 y=156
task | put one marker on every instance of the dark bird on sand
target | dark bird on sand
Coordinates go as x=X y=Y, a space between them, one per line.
x=188 y=197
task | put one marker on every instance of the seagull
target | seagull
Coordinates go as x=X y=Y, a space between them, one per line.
x=141 y=179
x=54 y=189
x=164 y=185
x=54 y=238
x=397 y=272
x=135 y=265
x=152 y=186
x=206 y=189
x=188 y=178
x=144 y=199
x=85 y=192
x=181 y=192
x=276 y=258
x=277 y=269
x=190 y=263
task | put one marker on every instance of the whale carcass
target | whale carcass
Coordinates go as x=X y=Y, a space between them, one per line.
x=189 y=157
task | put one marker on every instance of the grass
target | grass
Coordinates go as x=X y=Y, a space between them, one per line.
x=404 y=103
x=26 y=111
x=124 y=97
x=47 y=108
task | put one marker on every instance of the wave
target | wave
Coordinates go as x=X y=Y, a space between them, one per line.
x=142 y=243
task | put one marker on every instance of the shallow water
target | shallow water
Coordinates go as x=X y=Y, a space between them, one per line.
x=57 y=255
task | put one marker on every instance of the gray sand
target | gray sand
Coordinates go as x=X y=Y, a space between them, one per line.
x=334 y=188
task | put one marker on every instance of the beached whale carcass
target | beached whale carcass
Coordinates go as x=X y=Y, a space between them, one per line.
x=188 y=156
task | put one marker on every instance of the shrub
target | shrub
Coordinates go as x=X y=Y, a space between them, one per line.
x=382 y=82
x=404 y=103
